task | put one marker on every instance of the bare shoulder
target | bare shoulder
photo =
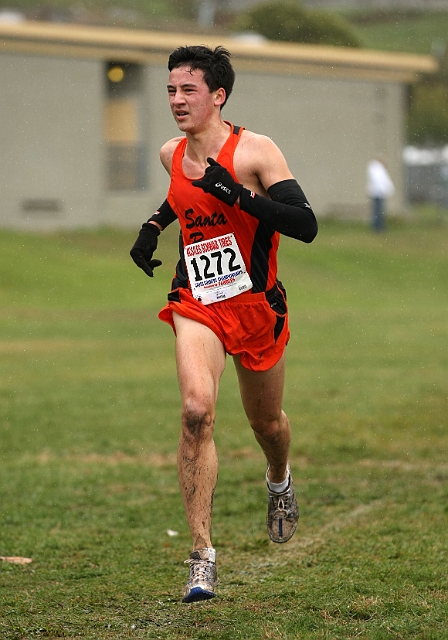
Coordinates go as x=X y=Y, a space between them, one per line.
x=259 y=155
x=254 y=143
x=167 y=150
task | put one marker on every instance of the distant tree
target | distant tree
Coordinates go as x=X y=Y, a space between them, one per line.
x=289 y=21
x=428 y=115
x=427 y=122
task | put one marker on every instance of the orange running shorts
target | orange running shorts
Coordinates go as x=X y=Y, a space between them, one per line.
x=253 y=326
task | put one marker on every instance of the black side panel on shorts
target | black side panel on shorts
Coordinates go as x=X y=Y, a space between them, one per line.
x=280 y=323
x=174 y=295
x=276 y=298
x=259 y=261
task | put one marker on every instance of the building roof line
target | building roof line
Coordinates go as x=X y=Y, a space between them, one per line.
x=135 y=40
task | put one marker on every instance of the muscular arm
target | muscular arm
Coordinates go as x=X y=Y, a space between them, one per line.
x=270 y=192
x=284 y=206
x=166 y=153
x=164 y=214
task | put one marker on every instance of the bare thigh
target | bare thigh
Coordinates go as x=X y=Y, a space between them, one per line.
x=262 y=393
x=200 y=359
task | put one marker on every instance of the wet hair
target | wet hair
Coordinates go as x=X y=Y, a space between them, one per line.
x=214 y=63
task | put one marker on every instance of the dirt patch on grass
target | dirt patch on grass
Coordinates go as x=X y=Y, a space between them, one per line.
x=43 y=345
x=402 y=465
x=158 y=460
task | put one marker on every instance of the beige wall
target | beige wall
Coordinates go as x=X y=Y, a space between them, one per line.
x=51 y=163
x=53 y=123
x=328 y=130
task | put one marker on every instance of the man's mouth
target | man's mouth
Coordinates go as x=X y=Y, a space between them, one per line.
x=181 y=114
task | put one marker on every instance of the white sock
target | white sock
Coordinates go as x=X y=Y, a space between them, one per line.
x=279 y=487
x=211 y=554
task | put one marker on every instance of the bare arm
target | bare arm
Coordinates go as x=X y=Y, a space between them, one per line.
x=266 y=188
x=259 y=163
x=166 y=153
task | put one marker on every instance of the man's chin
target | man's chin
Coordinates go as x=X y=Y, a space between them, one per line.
x=185 y=127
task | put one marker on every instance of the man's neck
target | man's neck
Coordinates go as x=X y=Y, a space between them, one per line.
x=207 y=142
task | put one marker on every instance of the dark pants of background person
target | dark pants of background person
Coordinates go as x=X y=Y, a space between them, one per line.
x=378 y=214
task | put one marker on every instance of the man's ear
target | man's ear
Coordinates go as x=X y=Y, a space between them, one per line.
x=219 y=96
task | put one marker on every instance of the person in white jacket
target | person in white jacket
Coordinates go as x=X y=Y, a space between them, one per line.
x=379 y=188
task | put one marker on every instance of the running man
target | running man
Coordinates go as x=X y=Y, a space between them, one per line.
x=233 y=194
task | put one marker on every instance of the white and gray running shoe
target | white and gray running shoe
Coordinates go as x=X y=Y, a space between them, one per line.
x=203 y=576
x=283 y=514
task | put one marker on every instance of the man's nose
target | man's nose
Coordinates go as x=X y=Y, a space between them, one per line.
x=177 y=97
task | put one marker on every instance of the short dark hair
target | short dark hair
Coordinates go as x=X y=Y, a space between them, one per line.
x=214 y=63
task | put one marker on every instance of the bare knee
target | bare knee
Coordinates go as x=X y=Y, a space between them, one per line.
x=268 y=427
x=197 y=420
x=267 y=430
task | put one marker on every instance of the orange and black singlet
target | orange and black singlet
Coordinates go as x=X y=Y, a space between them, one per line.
x=204 y=217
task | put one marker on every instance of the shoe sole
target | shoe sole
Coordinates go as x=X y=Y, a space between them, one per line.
x=197 y=594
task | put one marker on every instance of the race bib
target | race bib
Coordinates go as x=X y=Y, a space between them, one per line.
x=216 y=269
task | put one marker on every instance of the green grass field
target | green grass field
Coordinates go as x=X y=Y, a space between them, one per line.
x=89 y=426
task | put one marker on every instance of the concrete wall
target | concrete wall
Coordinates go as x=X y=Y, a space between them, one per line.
x=51 y=165
x=53 y=159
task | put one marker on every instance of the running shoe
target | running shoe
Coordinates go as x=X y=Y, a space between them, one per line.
x=203 y=576
x=283 y=514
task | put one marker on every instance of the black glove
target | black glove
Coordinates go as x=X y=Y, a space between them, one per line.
x=144 y=247
x=218 y=181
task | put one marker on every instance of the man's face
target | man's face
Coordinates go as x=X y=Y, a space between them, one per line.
x=191 y=102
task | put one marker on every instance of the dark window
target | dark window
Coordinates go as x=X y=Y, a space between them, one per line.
x=127 y=157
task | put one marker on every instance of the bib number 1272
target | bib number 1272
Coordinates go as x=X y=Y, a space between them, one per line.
x=211 y=265
x=216 y=269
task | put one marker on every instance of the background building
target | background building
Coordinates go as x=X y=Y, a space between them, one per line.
x=85 y=112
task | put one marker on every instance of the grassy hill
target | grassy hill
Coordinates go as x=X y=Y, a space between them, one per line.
x=418 y=32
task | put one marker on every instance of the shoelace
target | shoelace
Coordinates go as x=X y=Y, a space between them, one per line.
x=281 y=505
x=200 y=569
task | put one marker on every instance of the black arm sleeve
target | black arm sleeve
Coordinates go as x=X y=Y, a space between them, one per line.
x=164 y=215
x=288 y=211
